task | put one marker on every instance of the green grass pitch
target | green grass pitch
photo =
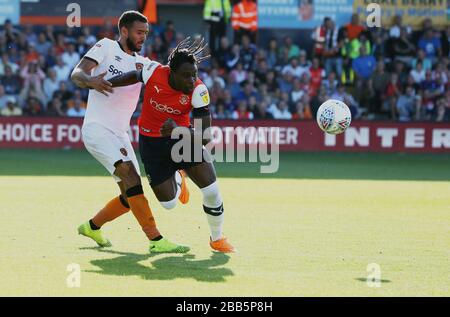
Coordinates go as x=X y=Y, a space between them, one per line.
x=312 y=229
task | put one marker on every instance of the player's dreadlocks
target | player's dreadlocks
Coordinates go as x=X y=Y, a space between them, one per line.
x=187 y=51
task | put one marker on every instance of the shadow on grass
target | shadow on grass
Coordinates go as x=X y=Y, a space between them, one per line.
x=169 y=267
x=364 y=279
x=292 y=165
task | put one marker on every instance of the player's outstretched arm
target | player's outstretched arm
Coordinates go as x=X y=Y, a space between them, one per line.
x=204 y=115
x=80 y=76
x=126 y=79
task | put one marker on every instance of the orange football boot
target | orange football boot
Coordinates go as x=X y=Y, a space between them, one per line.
x=222 y=245
x=184 y=195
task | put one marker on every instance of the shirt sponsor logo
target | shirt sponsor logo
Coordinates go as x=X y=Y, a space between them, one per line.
x=163 y=108
x=205 y=96
x=184 y=99
x=114 y=71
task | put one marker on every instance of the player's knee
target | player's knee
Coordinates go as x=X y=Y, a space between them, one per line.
x=127 y=173
x=171 y=204
x=211 y=195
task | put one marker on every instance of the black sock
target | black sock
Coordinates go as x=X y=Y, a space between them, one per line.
x=93 y=226
x=157 y=238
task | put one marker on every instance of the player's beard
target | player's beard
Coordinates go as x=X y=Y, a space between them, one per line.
x=131 y=46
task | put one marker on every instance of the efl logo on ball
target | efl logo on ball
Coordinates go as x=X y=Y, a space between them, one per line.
x=334 y=116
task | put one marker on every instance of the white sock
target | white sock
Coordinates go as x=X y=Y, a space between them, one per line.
x=215 y=226
x=213 y=207
x=178 y=181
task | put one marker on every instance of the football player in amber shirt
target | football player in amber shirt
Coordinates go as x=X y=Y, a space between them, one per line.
x=172 y=92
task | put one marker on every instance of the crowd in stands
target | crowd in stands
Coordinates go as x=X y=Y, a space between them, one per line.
x=390 y=73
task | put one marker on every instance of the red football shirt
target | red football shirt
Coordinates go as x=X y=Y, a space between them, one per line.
x=162 y=102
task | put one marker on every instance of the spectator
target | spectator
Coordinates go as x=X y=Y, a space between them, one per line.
x=332 y=58
x=391 y=95
x=32 y=55
x=273 y=54
x=222 y=53
x=330 y=83
x=33 y=107
x=281 y=111
x=70 y=57
x=430 y=91
x=3 y=97
x=244 y=20
x=30 y=36
x=247 y=53
x=319 y=36
x=297 y=92
x=89 y=39
x=63 y=93
x=214 y=78
x=220 y=112
x=445 y=42
x=10 y=33
x=261 y=113
x=290 y=48
x=62 y=69
x=377 y=86
x=430 y=44
x=418 y=73
x=77 y=98
x=238 y=75
x=302 y=109
x=261 y=71
x=77 y=110
x=443 y=109
x=50 y=33
x=242 y=112
x=107 y=30
x=397 y=27
x=364 y=65
x=403 y=49
x=51 y=84
x=11 y=82
x=169 y=34
x=348 y=99
x=55 y=108
x=316 y=74
x=406 y=105
x=32 y=87
x=217 y=14
x=247 y=91
x=11 y=108
x=354 y=28
x=285 y=82
x=304 y=64
x=6 y=62
x=294 y=68
x=159 y=50
x=43 y=45
x=399 y=69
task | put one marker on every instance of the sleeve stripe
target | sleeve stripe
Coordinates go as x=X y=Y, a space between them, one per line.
x=90 y=58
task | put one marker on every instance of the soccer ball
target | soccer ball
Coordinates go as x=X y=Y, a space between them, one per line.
x=333 y=116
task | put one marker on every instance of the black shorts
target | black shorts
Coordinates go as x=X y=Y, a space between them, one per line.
x=158 y=163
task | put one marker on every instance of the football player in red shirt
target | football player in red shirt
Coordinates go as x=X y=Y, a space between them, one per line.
x=172 y=92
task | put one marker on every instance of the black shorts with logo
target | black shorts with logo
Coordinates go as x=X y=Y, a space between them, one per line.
x=157 y=159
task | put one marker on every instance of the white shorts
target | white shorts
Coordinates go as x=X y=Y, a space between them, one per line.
x=108 y=147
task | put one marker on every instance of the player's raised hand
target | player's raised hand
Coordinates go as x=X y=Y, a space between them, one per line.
x=100 y=84
x=167 y=127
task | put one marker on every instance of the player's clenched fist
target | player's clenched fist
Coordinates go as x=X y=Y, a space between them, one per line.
x=167 y=127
